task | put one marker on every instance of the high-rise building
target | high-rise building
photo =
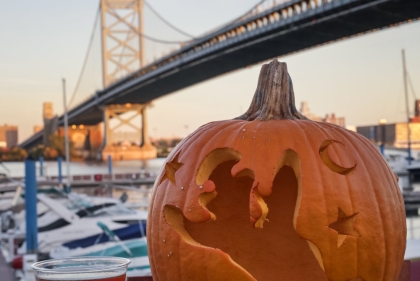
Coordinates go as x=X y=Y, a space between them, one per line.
x=8 y=136
x=48 y=110
x=50 y=122
x=11 y=138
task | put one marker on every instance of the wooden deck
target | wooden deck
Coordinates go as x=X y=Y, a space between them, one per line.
x=85 y=181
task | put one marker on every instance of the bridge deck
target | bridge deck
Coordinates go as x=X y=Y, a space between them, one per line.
x=204 y=58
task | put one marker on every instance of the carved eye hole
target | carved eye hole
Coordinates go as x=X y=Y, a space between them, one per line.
x=323 y=153
x=170 y=169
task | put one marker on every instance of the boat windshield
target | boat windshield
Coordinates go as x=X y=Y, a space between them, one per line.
x=112 y=211
x=76 y=204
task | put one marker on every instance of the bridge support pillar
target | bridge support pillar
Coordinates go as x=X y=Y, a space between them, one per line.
x=128 y=151
x=145 y=140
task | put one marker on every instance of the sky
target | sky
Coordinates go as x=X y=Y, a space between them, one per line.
x=42 y=42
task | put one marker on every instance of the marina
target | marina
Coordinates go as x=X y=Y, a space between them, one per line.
x=105 y=214
x=96 y=205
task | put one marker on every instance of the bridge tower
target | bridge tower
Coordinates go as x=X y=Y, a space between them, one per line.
x=122 y=40
x=122 y=54
x=133 y=152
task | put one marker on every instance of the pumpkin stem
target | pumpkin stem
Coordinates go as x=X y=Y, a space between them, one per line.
x=274 y=98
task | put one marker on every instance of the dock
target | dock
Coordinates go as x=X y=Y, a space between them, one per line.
x=92 y=180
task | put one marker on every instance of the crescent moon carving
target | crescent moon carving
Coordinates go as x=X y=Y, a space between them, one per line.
x=329 y=163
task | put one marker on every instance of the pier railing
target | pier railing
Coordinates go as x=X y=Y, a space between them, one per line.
x=91 y=180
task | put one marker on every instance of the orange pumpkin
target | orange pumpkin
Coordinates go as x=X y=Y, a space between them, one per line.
x=272 y=195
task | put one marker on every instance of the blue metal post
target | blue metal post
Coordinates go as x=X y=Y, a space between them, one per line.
x=30 y=207
x=409 y=153
x=109 y=164
x=382 y=149
x=60 y=174
x=41 y=166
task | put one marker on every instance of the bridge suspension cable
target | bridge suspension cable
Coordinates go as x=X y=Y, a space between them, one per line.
x=165 y=21
x=85 y=59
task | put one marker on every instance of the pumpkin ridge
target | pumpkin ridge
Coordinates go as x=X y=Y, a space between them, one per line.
x=380 y=212
x=321 y=131
x=395 y=194
x=241 y=131
x=315 y=156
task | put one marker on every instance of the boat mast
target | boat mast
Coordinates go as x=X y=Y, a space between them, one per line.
x=406 y=108
x=66 y=137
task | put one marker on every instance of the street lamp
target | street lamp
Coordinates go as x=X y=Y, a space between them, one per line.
x=382 y=123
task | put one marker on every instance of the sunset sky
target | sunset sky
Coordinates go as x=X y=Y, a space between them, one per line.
x=44 y=41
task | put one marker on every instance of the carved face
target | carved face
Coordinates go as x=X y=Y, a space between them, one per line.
x=264 y=199
x=276 y=200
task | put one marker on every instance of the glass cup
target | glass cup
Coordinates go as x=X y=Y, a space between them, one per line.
x=82 y=269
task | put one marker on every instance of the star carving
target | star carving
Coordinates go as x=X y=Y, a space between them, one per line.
x=171 y=168
x=344 y=226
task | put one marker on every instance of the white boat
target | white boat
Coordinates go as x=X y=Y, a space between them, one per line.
x=412 y=251
x=52 y=209
x=65 y=224
x=133 y=249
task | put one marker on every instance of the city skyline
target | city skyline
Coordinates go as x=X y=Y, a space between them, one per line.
x=349 y=77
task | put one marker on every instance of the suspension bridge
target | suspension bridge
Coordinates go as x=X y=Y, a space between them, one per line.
x=138 y=64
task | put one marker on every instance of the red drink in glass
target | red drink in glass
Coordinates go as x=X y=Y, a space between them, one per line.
x=117 y=278
x=82 y=269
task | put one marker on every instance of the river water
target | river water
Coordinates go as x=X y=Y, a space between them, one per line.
x=17 y=169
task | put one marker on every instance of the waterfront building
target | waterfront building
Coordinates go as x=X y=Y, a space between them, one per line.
x=304 y=109
x=393 y=135
x=8 y=136
x=340 y=121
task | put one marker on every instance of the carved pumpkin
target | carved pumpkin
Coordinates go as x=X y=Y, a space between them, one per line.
x=272 y=195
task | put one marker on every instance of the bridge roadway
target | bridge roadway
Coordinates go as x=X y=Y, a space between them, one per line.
x=291 y=27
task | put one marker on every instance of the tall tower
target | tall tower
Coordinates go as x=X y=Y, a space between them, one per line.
x=47 y=110
x=122 y=40
x=50 y=122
